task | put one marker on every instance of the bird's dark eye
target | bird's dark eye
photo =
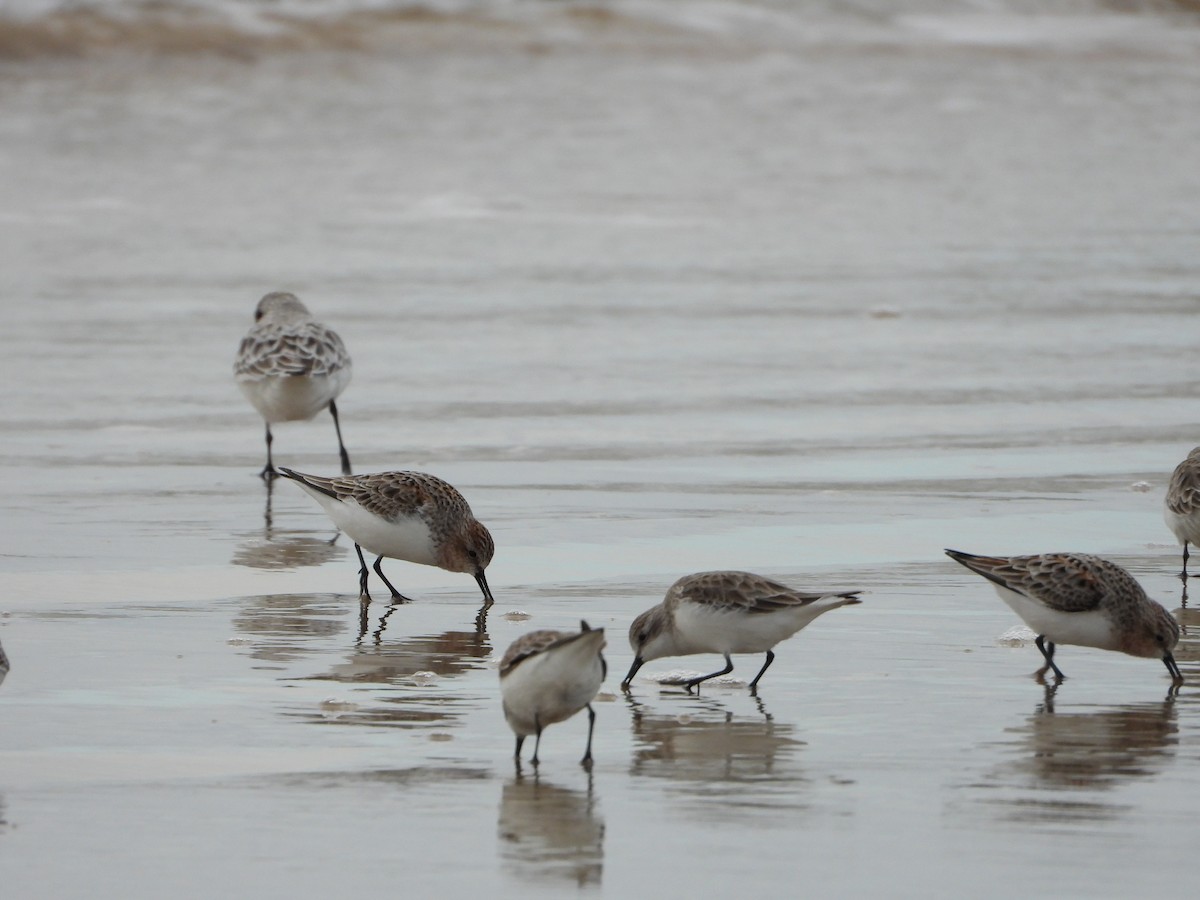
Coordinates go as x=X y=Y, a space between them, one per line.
x=472 y=554
x=641 y=637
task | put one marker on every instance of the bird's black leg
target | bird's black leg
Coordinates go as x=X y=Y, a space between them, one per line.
x=363 y=574
x=337 y=426
x=1184 y=574
x=537 y=743
x=770 y=659
x=268 y=471
x=725 y=671
x=396 y=595
x=517 y=753
x=586 y=762
x=1047 y=649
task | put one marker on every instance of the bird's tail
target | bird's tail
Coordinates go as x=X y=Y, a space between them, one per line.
x=316 y=482
x=986 y=566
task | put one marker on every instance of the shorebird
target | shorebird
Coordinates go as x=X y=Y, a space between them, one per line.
x=1181 y=507
x=548 y=676
x=726 y=612
x=1076 y=598
x=404 y=515
x=290 y=367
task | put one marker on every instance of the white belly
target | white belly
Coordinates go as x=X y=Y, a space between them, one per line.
x=1185 y=527
x=408 y=539
x=551 y=687
x=706 y=629
x=1084 y=629
x=293 y=397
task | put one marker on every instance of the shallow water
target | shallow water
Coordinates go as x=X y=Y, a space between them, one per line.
x=660 y=292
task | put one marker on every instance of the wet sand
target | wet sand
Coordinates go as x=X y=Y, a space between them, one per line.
x=816 y=313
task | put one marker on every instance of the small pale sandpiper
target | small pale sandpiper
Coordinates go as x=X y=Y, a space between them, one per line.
x=548 y=676
x=290 y=367
x=726 y=612
x=1181 y=507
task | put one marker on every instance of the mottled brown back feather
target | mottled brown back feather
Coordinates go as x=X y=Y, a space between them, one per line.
x=743 y=590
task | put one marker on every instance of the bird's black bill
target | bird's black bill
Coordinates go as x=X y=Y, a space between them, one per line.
x=1173 y=668
x=637 y=664
x=483 y=586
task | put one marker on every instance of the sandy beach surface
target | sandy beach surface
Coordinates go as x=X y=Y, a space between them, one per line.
x=660 y=288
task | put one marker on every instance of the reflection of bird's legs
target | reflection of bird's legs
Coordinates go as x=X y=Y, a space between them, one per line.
x=754 y=683
x=267 y=510
x=363 y=573
x=725 y=671
x=378 y=632
x=761 y=708
x=1047 y=650
x=341 y=447
x=586 y=762
x=364 y=604
x=1048 y=702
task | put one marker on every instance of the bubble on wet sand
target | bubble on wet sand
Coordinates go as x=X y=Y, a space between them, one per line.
x=1017 y=636
x=680 y=676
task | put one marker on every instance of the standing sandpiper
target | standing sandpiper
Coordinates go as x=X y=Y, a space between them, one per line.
x=1181 y=508
x=1075 y=598
x=291 y=367
x=548 y=676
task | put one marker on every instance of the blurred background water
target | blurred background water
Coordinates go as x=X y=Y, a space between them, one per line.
x=812 y=289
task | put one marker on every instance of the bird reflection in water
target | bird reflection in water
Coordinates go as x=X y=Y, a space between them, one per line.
x=551 y=833
x=741 y=760
x=1187 y=652
x=418 y=661
x=1064 y=763
x=283 y=627
x=376 y=635
x=278 y=549
x=443 y=655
